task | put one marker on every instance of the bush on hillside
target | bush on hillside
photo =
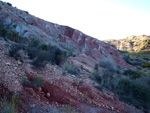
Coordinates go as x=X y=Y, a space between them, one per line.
x=11 y=35
x=109 y=64
x=37 y=82
x=3 y=31
x=134 y=73
x=42 y=53
x=146 y=65
x=96 y=75
x=9 y=4
x=14 y=51
x=133 y=91
x=71 y=68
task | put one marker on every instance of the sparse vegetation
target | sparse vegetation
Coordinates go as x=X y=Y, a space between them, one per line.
x=11 y=35
x=132 y=88
x=11 y=105
x=37 y=82
x=71 y=68
x=135 y=92
x=146 y=65
x=133 y=74
x=14 y=51
x=109 y=64
x=38 y=51
x=42 y=53
x=9 y=4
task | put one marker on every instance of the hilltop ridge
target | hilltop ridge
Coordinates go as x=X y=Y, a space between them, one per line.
x=132 y=43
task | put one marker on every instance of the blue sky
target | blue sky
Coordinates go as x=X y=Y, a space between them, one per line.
x=102 y=19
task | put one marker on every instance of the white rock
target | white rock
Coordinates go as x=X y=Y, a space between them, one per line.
x=8 y=63
x=19 y=62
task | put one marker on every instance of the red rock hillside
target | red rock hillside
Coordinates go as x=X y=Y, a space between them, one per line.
x=31 y=26
x=61 y=92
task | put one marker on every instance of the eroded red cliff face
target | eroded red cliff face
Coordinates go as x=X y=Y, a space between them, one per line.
x=31 y=26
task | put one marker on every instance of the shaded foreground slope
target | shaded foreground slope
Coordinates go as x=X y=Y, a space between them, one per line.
x=65 y=91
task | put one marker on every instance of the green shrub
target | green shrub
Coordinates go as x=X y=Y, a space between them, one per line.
x=71 y=68
x=95 y=75
x=42 y=53
x=109 y=64
x=3 y=31
x=146 y=65
x=139 y=74
x=57 y=56
x=11 y=35
x=14 y=51
x=134 y=73
x=110 y=80
x=135 y=92
x=106 y=79
x=141 y=91
x=96 y=67
x=36 y=49
x=41 y=60
x=124 y=86
x=37 y=82
x=39 y=52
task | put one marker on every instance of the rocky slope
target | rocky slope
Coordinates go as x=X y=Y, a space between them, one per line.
x=62 y=91
x=132 y=43
x=30 y=26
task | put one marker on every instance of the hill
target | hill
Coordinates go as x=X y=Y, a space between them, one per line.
x=132 y=43
x=47 y=68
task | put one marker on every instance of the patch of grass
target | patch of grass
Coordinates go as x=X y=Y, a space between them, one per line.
x=11 y=105
x=123 y=52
